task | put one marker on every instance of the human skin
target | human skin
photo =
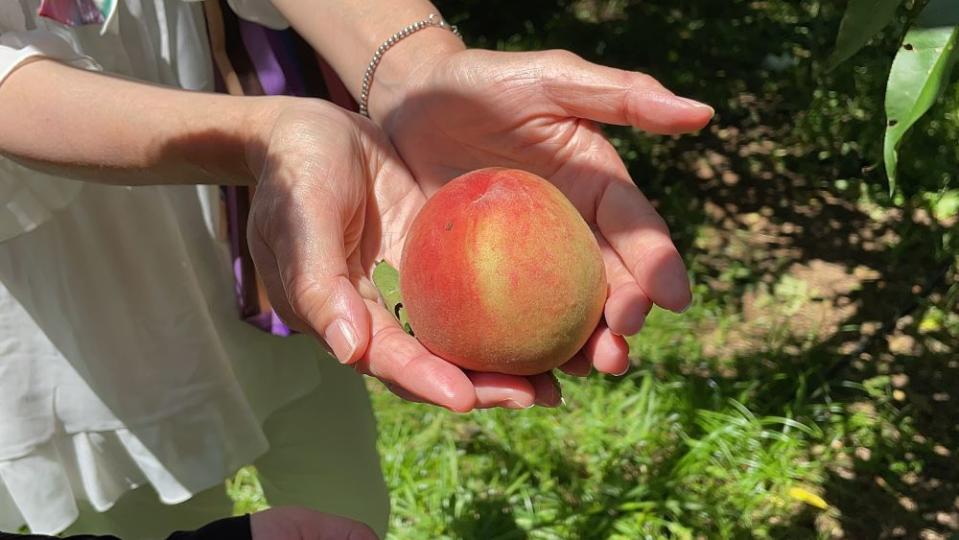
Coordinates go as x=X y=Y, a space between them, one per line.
x=449 y=110
x=295 y=523
x=525 y=110
x=332 y=198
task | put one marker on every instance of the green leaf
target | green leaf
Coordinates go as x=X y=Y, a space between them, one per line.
x=863 y=20
x=387 y=281
x=919 y=72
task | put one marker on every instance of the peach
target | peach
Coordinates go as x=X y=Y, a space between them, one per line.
x=500 y=273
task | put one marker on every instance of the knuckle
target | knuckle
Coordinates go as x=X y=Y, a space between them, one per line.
x=307 y=296
x=645 y=80
x=561 y=56
x=390 y=336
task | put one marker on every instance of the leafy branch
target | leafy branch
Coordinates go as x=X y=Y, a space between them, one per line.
x=920 y=70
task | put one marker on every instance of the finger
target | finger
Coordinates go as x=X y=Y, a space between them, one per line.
x=266 y=268
x=307 y=243
x=608 y=352
x=577 y=366
x=500 y=390
x=403 y=393
x=548 y=392
x=637 y=233
x=614 y=96
x=627 y=304
x=398 y=359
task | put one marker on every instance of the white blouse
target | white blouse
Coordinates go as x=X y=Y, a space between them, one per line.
x=122 y=358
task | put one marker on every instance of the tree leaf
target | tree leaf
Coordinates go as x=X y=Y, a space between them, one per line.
x=863 y=20
x=919 y=72
x=387 y=281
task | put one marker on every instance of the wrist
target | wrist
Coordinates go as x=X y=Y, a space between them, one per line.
x=220 y=140
x=405 y=66
x=259 y=123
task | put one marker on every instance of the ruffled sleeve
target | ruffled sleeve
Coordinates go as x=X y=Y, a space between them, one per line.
x=29 y=198
x=20 y=46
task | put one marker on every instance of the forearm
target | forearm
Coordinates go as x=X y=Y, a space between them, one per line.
x=347 y=32
x=105 y=129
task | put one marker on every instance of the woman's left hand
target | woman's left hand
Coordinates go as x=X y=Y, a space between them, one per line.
x=535 y=111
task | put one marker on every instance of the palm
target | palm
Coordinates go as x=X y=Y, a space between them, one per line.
x=565 y=151
x=478 y=124
x=381 y=222
x=533 y=111
x=382 y=214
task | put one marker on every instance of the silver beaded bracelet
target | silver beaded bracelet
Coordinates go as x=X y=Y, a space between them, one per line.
x=432 y=20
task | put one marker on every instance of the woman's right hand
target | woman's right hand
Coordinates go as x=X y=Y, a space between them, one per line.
x=332 y=198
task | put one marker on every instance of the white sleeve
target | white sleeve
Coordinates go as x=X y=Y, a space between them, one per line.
x=28 y=198
x=17 y=48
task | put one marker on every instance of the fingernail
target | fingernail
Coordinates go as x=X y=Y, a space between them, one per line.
x=367 y=289
x=623 y=372
x=562 y=401
x=686 y=307
x=511 y=404
x=693 y=104
x=341 y=337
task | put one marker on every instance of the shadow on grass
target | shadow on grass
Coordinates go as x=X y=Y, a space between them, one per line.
x=490 y=518
x=890 y=422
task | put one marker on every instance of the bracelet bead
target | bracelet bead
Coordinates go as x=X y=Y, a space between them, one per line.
x=432 y=20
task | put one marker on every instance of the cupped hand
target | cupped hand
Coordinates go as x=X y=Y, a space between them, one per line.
x=536 y=111
x=295 y=523
x=332 y=198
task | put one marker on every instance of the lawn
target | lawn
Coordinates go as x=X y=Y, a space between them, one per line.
x=810 y=391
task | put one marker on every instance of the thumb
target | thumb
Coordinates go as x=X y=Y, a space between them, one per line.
x=613 y=96
x=335 y=311
x=308 y=246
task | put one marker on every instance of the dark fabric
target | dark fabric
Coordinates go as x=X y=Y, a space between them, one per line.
x=235 y=528
x=12 y=536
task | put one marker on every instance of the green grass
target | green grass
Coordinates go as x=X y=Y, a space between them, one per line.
x=687 y=445
x=623 y=458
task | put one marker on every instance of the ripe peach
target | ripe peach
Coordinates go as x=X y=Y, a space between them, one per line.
x=500 y=273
